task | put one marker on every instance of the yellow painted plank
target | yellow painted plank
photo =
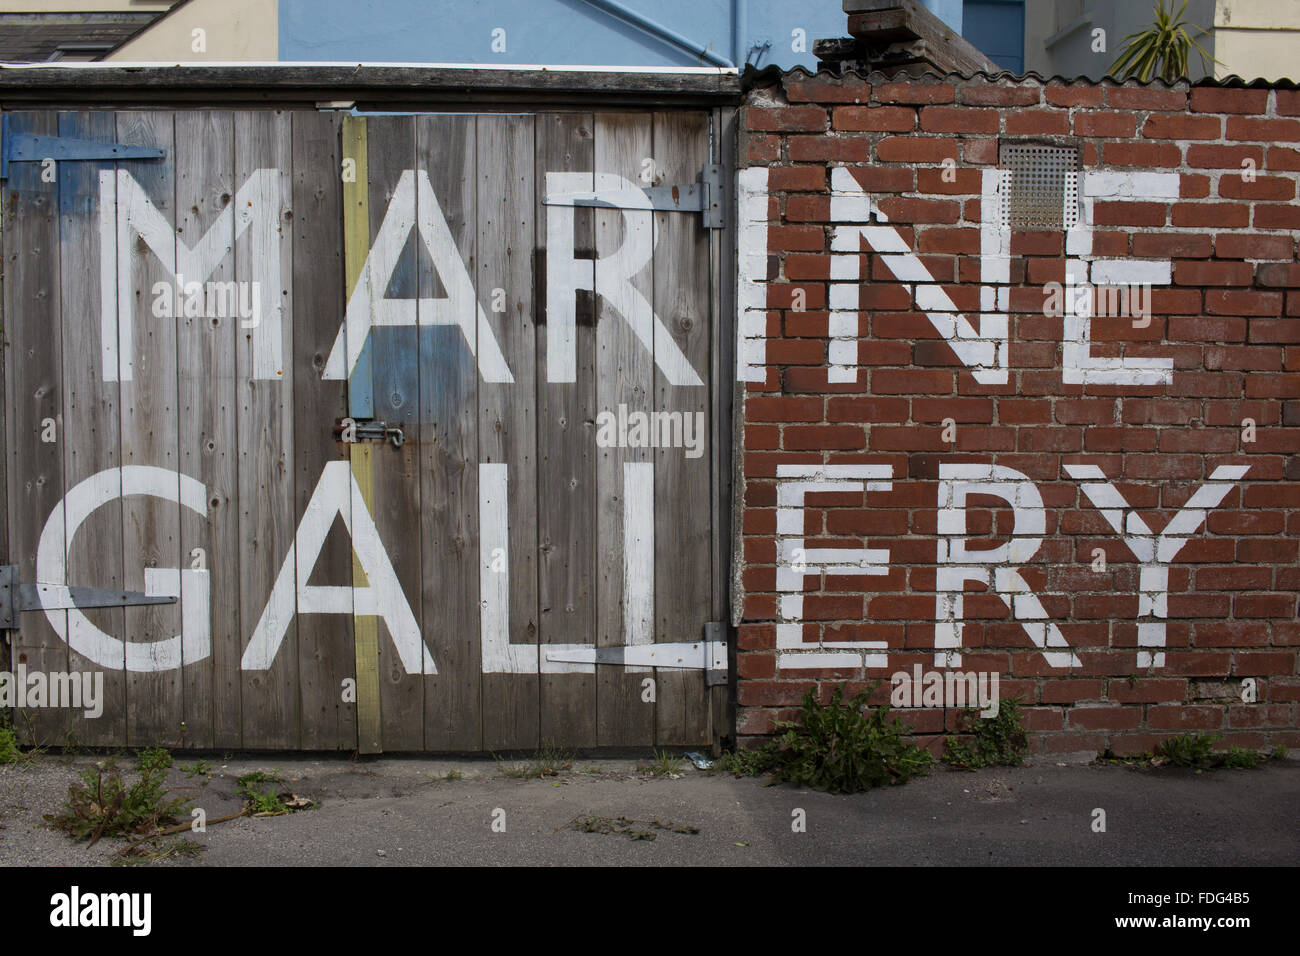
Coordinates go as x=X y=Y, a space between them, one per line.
x=356 y=246
x=366 y=629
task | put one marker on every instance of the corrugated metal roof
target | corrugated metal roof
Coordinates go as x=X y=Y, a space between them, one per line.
x=753 y=77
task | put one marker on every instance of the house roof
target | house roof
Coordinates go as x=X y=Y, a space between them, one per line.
x=36 y=37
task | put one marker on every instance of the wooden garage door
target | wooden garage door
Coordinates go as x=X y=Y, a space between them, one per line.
x=202 y=348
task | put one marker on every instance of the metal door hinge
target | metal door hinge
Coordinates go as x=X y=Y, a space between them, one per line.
x=708 y=655
x=352 y=430
x=715 y=635
x=31 y=148
x=18 y=596
x=707 y=197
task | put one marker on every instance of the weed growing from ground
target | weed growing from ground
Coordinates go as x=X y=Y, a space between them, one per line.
x=549 y=762
x=626 y=826
x=1196 y=752
x=745 y=762
x=200 y=768
x=844 y=748
x=664 y=764
x=144 y=852
x=103 y=805
x=264 y=799
x=12 y=753
x=9 y=752
x=998 y=741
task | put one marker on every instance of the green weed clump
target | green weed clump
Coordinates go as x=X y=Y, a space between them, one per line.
x=845 y=748
x=744 y=762
x=549 y=762
x=102 y=804
x=998 y=741
x=9 y=752
x=263 y=798
x=664 y=764
x=1196 y=752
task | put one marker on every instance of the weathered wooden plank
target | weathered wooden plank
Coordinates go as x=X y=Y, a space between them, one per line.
x=370 y=731
x=151 y=524
x=89 y=430
x=726 y=395
x=566 y=472
x=205 y=197
x=263 y=141
x=325 y=645
x=508 y=435
x=354 y=172
x=683 y=512
x=625 y=524
x=396 y=471
x=35 y=396
x=448 y=430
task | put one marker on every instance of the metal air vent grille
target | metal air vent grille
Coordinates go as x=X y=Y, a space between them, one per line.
x=1041 y=188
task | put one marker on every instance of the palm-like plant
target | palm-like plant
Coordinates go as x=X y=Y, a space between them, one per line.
x=1162 y=49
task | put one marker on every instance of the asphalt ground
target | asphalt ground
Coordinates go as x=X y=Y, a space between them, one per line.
x=394 y=812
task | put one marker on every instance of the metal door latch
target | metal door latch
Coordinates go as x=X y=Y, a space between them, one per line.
x=350 y=430
x=18 y=596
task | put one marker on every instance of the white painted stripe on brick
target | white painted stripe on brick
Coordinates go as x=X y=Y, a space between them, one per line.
x=843 y=296
x=842 y=324
x=1131 y=272
x=751 y=277
x=850 y=208
x=825 y=661
x=1078 y=364
x=986 y=358
x=844 y=268
x=1155 y=552
x=753 y=324
x=1115 y=184
x=796 y=562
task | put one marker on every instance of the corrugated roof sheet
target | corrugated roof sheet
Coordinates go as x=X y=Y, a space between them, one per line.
x=753 y=77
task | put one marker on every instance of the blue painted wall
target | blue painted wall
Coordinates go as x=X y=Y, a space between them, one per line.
x=949 y=11
x=997 y=28
x=548 y=31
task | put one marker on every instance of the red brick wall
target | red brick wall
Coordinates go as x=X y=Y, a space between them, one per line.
x=1228 y=319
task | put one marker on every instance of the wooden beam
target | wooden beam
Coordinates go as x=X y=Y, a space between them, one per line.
x=901 y=34
x=369 y=86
